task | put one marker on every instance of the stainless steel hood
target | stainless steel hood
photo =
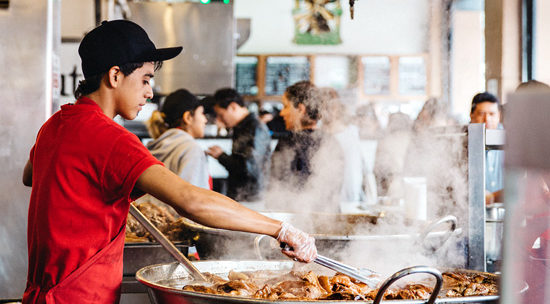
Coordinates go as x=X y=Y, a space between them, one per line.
x=206 y=32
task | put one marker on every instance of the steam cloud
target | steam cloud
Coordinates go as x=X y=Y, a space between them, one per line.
x=393 y=242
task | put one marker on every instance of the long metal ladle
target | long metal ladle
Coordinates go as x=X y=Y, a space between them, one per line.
x=165 y=242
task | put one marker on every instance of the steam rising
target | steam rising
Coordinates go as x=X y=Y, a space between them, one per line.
x=393 y=242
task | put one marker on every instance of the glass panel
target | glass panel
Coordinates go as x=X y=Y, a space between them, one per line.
x=332 y=71
x=412 y=76
x=376 y=75
x=245 y=75
x=282 y=72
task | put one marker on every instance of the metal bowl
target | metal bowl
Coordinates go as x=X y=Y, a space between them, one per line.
x=165 y=283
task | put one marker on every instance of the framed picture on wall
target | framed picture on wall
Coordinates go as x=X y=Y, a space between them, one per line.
x=412 y=75
x=317 y=21
x=376 y=75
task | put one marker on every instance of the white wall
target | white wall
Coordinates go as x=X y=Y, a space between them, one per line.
x=542 y=47
x=379 y=27
x=78 y=17
x=467 y=69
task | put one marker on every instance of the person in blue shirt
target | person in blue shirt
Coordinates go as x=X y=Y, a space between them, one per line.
x=486 y=109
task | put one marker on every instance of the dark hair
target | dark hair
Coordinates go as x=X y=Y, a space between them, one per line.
x=176 y=104
x=171 y=114
x=226 y=96
x=92 y=83
x=483 y=97
x=306 y=93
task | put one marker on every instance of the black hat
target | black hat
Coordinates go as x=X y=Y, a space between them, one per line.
x=178 y=103
x=116 y=43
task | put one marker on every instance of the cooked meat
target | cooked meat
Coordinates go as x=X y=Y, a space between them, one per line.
x=161 y=217
x=237 y=288
x=310 y=286
x=234 y=275
x=267 y=293
x=324 y=281
x=199 y=288
x=301 y=289
x=214 y=278
x=465 y=285
x=411 y=292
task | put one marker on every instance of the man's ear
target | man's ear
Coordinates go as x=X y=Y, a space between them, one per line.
x=114 y=76
x=301 y=108
x=233 y=106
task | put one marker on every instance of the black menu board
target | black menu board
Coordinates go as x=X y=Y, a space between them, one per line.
x=281 y=72
x=245 y=75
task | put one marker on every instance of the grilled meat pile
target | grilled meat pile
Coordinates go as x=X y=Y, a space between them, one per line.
x=310 y=286
x=466 y=285
x=159 y=216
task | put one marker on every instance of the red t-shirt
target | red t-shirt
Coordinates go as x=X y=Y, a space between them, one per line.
x=85 y=167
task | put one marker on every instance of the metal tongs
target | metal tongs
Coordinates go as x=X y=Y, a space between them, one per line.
x=165 y=242
x=363 y=275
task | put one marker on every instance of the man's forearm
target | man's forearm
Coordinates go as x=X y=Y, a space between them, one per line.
x=215 y=210
x=204 y=206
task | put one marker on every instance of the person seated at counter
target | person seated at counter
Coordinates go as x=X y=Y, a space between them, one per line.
x=174 y=129
x=85 y=169
x=307 y=161
x=250 y=152
x=486 y=109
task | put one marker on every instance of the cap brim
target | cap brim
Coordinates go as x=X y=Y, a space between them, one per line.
x=162 y=54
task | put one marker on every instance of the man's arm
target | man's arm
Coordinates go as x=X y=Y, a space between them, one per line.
x=204 y=206
x=27 y=174
x=215 y=210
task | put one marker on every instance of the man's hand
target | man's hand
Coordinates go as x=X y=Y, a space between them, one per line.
x=302 y=244
x=214 y=151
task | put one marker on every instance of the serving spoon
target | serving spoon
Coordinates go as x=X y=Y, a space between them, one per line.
x=165 y=242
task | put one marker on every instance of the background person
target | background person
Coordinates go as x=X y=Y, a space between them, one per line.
x=336 y=122
x=174 y=130
x=308 y=161
x=486 y=109
x=391 y=153
x=250 y=152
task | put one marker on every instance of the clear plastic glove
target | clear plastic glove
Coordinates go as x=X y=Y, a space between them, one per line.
x=301 y=245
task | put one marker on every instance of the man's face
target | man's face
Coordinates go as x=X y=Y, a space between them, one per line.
x=488 y=113
x=292 y=115
x=229 y=117
x=134 y=90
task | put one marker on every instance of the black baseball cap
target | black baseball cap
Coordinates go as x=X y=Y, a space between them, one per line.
x=119 y=42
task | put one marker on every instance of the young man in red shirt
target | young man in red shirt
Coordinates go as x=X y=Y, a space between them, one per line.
x=85 y=169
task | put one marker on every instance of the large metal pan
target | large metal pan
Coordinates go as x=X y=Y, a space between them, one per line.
x=165 y=283
x=332 y=232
